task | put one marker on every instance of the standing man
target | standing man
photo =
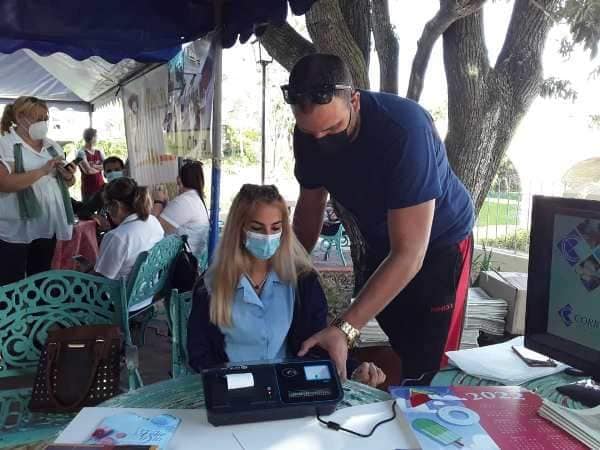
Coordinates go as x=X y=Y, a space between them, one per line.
x=380 y=156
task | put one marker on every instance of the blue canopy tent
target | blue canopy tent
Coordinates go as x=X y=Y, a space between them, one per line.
x=75 y=53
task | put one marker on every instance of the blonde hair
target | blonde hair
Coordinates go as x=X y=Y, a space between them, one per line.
x=22 y=105
x=233 y=260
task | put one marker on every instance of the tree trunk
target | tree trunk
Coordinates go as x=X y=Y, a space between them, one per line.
x=485 y=105
x=286 y=45
x=330 y=34
x=357 y=14
x=388 y=49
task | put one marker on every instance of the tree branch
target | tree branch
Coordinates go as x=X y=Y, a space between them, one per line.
x=449 y=12
x=388 y=49
x=286 y=45
x=330 y=34
x=520 y=60
x=358 y=18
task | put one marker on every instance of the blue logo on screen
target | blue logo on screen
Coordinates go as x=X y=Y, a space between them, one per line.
x=565 y=315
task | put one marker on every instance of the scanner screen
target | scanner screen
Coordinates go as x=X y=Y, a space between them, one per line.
x=317 y=373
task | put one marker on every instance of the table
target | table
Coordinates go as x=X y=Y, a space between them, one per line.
x=187 y=393
x=544 y=387
x=84 y=242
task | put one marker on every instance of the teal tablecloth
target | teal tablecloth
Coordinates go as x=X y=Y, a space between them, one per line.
x=544 y=387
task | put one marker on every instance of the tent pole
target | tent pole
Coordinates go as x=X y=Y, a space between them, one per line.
x=215 y=189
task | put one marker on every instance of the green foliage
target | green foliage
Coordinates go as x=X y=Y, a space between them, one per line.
x=583 y=18
x=240 y=147
x=518 y=241
x=556 y=88
x=484 y=261
x=117 y=147
x=594 y=121
x=114 y=148
x=497 y=212
x=507 y=180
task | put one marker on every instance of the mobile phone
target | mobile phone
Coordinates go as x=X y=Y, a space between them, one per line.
x=533 y=359
x=77 y=160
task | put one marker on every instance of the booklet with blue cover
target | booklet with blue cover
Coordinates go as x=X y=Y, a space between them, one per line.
x=132 y=429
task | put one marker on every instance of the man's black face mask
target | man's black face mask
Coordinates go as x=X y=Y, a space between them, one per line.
x=334 y=144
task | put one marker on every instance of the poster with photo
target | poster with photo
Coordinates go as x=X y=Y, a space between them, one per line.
x=145 y=104
x=574 y=312
x=187 y=122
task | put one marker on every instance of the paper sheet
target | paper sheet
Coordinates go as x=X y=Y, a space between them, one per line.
x=239 y=380
x=500 y=363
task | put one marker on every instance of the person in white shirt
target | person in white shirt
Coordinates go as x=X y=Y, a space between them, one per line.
x=186 y=214
x=137 y=230
x=35 y=207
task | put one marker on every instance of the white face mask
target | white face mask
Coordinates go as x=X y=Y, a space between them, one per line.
x=38 y=130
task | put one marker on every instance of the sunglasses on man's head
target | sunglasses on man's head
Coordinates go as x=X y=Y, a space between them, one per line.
x=318 y=95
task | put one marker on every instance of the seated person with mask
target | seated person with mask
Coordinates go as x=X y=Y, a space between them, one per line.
x=136 y=229
x=93 y=208
x=262 y=296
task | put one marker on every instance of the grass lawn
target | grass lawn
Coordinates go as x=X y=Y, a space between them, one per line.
x=494 y=213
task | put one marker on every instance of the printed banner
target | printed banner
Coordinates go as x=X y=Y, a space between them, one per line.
x=168 y=114
x=190 y=89
x=145 y=106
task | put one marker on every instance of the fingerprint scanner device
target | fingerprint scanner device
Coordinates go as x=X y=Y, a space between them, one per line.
x=244 y=393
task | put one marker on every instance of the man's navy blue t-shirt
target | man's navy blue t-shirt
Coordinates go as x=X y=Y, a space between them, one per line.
x=397 y=161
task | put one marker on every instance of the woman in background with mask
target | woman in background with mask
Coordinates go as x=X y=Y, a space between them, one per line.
x=262 y=296
x=35 y=207
x=91 y=165
x=136 y=229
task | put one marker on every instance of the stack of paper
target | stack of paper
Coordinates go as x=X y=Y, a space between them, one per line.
x=483 y=313
x=500 y=363
x=583 y=424
x=371 y=335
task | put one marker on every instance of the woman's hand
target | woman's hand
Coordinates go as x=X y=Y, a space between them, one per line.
x=50 y=166
x=368 y=373
x=67 y=172
x=101 y=222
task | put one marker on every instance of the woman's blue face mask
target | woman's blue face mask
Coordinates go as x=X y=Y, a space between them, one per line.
x=262 y=246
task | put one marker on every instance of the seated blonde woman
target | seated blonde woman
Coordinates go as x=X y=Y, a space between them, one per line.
x=262 y=296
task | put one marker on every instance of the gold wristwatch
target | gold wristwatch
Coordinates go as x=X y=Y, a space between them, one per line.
x=350 y=332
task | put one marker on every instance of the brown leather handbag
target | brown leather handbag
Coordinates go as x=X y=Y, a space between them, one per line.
x=80 y=366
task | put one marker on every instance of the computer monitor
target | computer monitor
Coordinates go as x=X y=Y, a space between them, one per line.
x=563 y=288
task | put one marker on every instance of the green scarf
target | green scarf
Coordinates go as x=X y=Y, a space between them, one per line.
x=29 y=207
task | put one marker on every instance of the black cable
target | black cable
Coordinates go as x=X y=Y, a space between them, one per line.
x=337 y=427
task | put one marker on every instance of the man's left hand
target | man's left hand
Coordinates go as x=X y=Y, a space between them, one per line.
x=332 y=340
